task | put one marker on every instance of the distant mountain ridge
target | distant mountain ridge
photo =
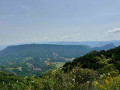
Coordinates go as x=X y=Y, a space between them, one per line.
x=2 y=47
x=105 y=47
x=89 y=43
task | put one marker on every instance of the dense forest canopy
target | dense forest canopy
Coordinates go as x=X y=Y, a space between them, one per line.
x=90 y=61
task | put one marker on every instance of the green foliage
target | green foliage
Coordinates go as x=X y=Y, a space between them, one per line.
x=27 y=60
x=55 y=80
x=99 y=71
x=76 y=79
x=107 y=82
x=55 y=53
x=106 y=66
x=90 y=61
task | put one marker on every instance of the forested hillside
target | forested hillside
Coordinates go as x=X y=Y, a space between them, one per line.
x=30 y=59
x=55 y=53
x=98 y=70
x=90 y=60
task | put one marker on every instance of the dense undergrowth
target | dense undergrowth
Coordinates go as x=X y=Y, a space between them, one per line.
x=105 y=78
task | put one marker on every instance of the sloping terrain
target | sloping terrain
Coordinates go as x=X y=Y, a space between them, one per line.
x=105 y=47
x=90 y=61
x=33 y=59
x=98 y=70
x=30 y=59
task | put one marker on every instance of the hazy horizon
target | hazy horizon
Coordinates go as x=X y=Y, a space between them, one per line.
x=28 y=21
x=59 y=42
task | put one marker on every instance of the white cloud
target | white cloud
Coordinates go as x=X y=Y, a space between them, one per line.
x=115 y=30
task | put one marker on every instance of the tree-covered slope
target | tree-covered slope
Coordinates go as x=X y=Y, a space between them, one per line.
x=7 y=78
x=90 y=61
x=33 y=59
x=30 y=59
x=53 y=52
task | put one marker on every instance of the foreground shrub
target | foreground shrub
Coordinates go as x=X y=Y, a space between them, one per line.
x=107 y=83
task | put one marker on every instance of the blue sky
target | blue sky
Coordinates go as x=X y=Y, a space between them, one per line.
x=23 y=21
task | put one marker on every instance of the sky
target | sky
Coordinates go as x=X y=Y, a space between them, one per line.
x=24 y=21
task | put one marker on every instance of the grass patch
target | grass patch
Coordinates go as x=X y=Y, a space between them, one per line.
x=59 y=64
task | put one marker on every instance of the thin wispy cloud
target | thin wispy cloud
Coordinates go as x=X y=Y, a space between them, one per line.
x=115 y=30
x=26 y=9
